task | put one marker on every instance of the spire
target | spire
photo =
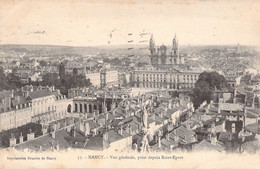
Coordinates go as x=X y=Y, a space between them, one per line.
x=151 y=45
x=174 y=45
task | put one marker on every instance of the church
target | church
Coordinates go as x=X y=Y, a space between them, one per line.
x=167 y=70
x=161 y=55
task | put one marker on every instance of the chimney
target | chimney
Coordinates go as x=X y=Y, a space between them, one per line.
x=243 y=138
x=188 y=126
x=176 y=138
x=106 y=117
x=170 y=104
x=213 y=140
x=26 y=94
x=129 y=129
x=21 y=138
x=167 y=137
x=114 y=112
x=44 y=130
x=105 y=137
x=10 y=101
x=87 y=128
x=86 y=142
x=113 y=106
x=120 y=131
x=58 y=125
x=53 y=134
x=94 y=113
x=12 y=140
x=18 y=99
x=233 y=127
x=30 y=136
x=230 y=137
x=219 y=111
x=12 y=94
x=40 y=148
x=159 y=142
x=73 y=132
x=54 y=127
x=171 y=147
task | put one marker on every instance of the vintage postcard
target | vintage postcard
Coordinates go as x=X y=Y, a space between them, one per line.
x=129 y=84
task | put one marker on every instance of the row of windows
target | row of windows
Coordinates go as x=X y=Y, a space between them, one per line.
x=44 y=109
x=164 y=80
x=43 y=101
x=171 y=86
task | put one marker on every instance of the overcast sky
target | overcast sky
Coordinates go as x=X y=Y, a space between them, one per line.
x=91 y=23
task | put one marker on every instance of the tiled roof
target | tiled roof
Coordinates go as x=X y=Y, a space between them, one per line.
x=168 y=143
x=46 y=141
x=192 y=121
x=4 y=94
x=225 y=136
x=96 y=143
x=254 y=128
x=186 y=136
x=93 y=125
x=113 y=136
x=40 y=93
x=253 y=112
x=241 y=90
x=21 y=101
x=207 y=146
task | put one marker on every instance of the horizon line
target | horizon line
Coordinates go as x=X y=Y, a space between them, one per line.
x=253 y=45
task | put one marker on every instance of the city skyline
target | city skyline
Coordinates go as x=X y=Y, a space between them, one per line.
x=87 y=23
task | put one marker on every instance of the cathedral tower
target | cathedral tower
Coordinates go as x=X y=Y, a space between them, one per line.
x=152 y=46
x=175 y=45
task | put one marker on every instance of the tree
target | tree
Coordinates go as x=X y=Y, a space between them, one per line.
x=43 y=63
x=62 y=70
x=10 y=81
x=214 y=79
x=13 y=81
x=75 y=71
x=3 y=81
x=50 y=79
x=14 y=70
x=67 y=82
x=205 y=85
x=79 y=81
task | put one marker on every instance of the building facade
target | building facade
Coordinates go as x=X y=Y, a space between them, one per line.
x=164 y=78
x=47 y=105
x=15 y=110
x=167 y=70
x=41 y=105
x=161 y=55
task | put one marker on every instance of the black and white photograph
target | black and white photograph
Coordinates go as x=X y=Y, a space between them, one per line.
x=129 y=84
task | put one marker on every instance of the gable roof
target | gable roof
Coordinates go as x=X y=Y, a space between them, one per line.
x=40 y=93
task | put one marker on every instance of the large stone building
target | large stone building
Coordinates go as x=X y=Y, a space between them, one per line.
x=161 y=55
x=167 y=70
x=31 y=104
x=15 y=110
x=104 y=77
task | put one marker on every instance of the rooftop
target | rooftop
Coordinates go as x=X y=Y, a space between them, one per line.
x=40 y=93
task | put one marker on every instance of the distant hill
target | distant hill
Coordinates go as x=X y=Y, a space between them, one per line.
x=111 y=50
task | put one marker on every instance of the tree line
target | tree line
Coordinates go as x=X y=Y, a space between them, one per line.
x=61 y=81
x=205 y=85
